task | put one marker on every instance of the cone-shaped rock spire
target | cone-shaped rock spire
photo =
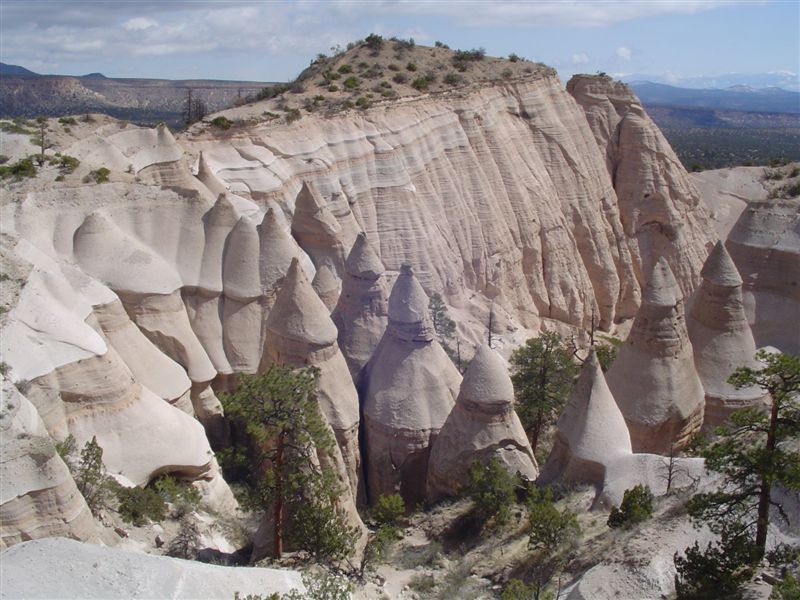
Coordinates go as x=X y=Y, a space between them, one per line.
x=721 y=338
x=361 y=314
x=327 y=286
x=481 y=426
x=317 y=231
x=277 y=250
x=300 y=333
x=409 y=389
x=653 y=378
x=591 y=431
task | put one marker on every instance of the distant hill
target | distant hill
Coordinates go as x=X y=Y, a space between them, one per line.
x=739 y=98
x=15 y=71
x=147 y=101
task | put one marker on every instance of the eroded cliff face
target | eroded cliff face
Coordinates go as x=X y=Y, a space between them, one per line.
x=143 y=295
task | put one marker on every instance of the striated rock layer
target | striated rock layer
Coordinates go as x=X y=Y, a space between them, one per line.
x=721 y=338
x=659 y=205
x=503 y=190
x=653 y=379
x=409 y=386
x=482 y=426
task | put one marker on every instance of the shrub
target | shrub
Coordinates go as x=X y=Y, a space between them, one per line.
x=507 y=73
x=637 y=507
x=140 y=505
x=475 y=54
x=347 y=104
x=374 y=42
x=345 y=68
x=549 y=527
x=795 y=172
x=271 y=91
x=716 y=572
x=184 y=544
x=18 y=170
x=362 y=102
x=184 y=496
x=221 y=122
x=787 y=589
x=517 y=590
x=98 y=175
x=773 y=175
x=351 y=82
x=513 y=57
x=393 y=67
x=3 y=159
x=400 y=78
x=439 y=44
x=292 y=115
x=453 y=79
x=411 y=67
x=67 y=164
x=333 y=88
x=491 y=488
x=389 y=510
x=67 y=121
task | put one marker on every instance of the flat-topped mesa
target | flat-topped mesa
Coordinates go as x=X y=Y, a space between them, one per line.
x=318 y=231
x=361 y=315
x=591 y=431
x=327 y=286
x=409 y=387
x=482 y=426
x=721 y=338
x=300 y=333
x=653 y=378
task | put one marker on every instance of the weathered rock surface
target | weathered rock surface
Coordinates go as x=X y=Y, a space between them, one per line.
x=301 y=333
x=361 y=314
x=482 y=426
x=659 y=206
x=591 y=431
x=409 y=386
x=653 y=378
x=765 y=246
x=721 y=338
x=80 y=570
x=327 y=286
x=38 y=497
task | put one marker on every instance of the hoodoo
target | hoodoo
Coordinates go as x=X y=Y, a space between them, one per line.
x=653 y=378
x=318 y=231
x=327 y=286
x=361 y=315
x=482 y=426
x=591 y=432
x=410 y=385
x=721 y=338
x=300 y=333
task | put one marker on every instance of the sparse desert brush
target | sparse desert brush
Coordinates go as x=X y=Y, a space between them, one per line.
x=351 y=82
x=221 y=122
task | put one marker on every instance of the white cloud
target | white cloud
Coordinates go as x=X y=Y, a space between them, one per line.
x=580 y=58
x=624 y=53
x=139 y=23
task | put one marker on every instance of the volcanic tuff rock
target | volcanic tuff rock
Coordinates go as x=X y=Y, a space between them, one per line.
x=38 y=497
x=658 y=204
x=327 y=287
x=361 y=315
x=591 y=431
x=300 y=333
x=765 y=245
x=495 y=193
x=482 y=426
x=721 y=338
x=653 y=378
x=78 y=570
x=409 y=389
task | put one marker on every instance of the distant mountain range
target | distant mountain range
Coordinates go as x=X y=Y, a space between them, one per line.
x=148 y=101
x=786 y=80
x=738 y=97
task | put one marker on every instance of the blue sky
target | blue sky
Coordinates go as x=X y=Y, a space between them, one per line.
x=273 y=41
